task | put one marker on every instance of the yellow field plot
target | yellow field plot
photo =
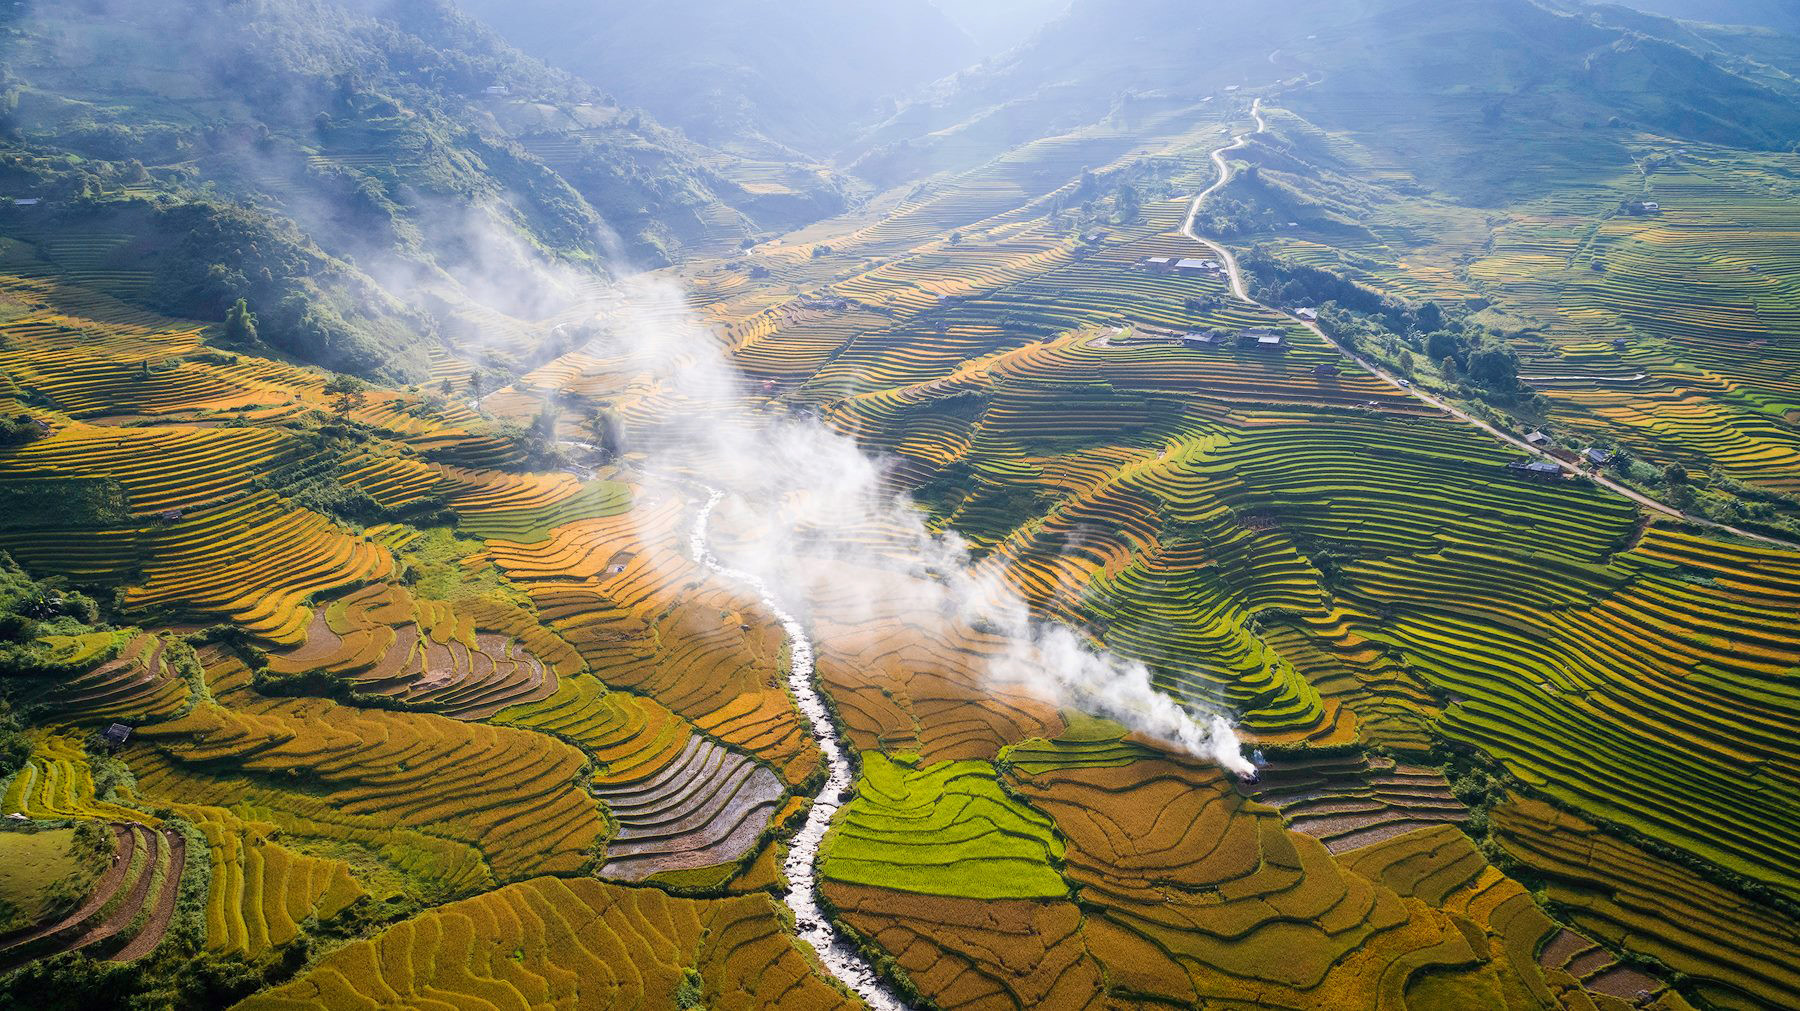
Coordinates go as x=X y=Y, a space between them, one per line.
x=255 y=561
x=630 y=736
x=1442 y=867
x=625 y=593
x=944 y=270
x=492 y=491
x=576 y=944
x=161 y=469
x=84 y=384
x=59 y=320
x=912 y=679
x=261 y=891
x=394 y=481
x=57 y=782
x=468 y=659
x=467 y=782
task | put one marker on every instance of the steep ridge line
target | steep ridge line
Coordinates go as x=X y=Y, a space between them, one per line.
x=1242 y=293
x=839 y=957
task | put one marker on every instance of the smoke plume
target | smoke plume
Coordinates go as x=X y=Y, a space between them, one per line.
x=801 y=494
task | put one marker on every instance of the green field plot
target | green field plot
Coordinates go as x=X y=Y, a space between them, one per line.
x=945 y=830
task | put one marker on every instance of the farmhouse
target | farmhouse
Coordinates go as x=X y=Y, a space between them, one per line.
x=1194 y=266
x=116 y=735
x=1538 y=439
x=1598 y=457
x=1159 y=264
x=1327 y=369
x=1309 y=315
x=1203 y=338
x=27 y=202
x=1535 y=470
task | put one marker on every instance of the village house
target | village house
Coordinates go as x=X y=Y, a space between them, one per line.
x=1597 y=456
x=1538 y=439
x=1308 y=315
x=1159 y=264
x=1535 y=470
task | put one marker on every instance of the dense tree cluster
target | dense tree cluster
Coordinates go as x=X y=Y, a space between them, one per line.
x=1351 y=312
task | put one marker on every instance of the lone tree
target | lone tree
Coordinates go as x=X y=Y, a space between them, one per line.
x=240 y=323
x=1128 y=203
x=347 y=393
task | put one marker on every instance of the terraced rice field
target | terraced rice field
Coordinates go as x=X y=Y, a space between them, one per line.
x=575 y=944
x=128 y=910
x=943 y=830
x=574 y=746
x=429 y=654
x=141 y=682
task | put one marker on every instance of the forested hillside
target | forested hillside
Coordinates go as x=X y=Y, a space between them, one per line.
x=364 y=174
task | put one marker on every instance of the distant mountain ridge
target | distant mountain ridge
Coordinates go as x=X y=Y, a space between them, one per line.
x=1473 y=59
x=1779 y=14
x=757 y=75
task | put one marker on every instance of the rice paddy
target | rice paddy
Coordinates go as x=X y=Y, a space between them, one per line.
x=570 y=753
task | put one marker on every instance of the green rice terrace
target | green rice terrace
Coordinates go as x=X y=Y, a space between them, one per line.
x=1202 y=508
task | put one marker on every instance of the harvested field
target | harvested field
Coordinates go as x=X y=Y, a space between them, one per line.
x=140 y=684
x=707 y=807
x=128 y=910
x=1353 y=802
x=1735 y=951
x=979 y=953
x=442 y=657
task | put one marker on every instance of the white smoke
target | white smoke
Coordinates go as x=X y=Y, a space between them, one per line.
x=802 y=494
x=808 y=512
x=1065 y=668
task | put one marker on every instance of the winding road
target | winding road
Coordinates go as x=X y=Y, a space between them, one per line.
x=1242 y=293
x=814 y=926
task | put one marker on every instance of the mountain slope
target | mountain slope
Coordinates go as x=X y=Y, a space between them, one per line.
x=1779 y=14
x=759 y=75
x=397 y=154
x=1465 y=61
